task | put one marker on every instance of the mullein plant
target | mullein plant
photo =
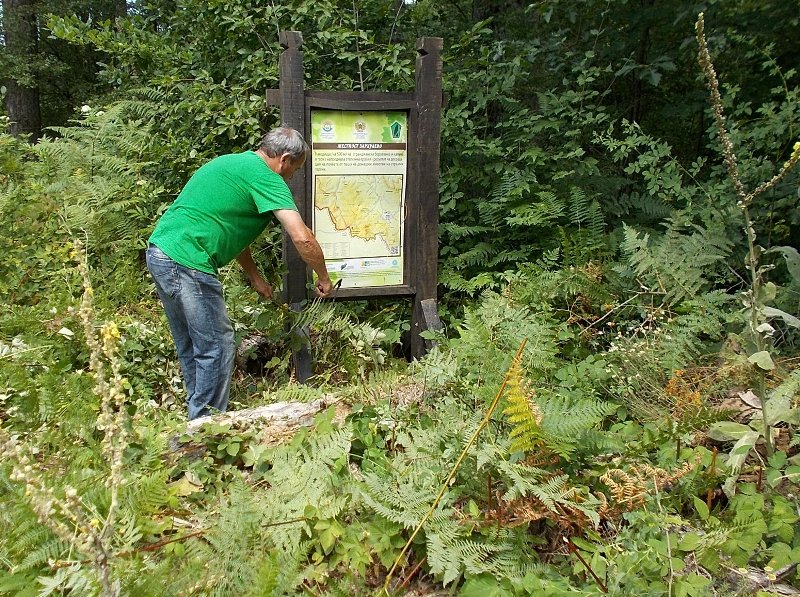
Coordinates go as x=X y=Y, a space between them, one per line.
x=758 y=329
x=73 y=521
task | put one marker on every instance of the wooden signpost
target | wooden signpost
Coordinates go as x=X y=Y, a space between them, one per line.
x=370 y=188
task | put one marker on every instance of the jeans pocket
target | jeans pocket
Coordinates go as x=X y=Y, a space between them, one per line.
x=206 y=284
x=164 y=271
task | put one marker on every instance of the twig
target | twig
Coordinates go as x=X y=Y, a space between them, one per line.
x=618 y=307
x=412 y=573
x=572 y=548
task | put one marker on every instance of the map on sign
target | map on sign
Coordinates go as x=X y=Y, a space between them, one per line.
x=358 y=165
x=366 y=207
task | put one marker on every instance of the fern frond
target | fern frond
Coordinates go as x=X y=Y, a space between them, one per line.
x=548 y=209
x=522 y=412
x=402 y=502
x=568 y=418
x=51 y=550
x=683 y=262
x=458 y=231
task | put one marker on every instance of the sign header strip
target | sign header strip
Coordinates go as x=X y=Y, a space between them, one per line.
x=369 y=146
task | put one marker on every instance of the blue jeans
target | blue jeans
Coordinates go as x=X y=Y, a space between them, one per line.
x=201 y=329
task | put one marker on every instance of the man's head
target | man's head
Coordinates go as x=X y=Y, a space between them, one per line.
x=285 y=149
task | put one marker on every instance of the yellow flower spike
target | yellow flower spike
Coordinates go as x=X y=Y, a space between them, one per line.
x=109 y=332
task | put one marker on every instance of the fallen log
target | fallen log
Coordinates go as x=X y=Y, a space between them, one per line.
x=752 y=580
x=276 y=423
x=280 y=420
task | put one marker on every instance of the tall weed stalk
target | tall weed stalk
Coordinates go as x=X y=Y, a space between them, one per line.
x=73 y=520
x=759 y=293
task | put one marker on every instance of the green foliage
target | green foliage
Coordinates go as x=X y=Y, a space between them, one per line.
x=89 y=182
x=583 y=208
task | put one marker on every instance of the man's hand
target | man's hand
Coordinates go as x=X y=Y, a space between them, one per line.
x=258 y=283
x=324 y=287
x=261 y=287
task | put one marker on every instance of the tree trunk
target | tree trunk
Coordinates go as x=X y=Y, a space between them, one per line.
x=121 y=8
x=22 y=99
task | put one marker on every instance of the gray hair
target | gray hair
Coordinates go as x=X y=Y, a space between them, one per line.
x=283 y=140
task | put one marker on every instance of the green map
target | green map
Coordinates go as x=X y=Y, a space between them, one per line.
x=366 y=207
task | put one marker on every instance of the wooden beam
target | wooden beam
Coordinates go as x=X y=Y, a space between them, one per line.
x=293 y=114
x=428 y=93
x=373 y=291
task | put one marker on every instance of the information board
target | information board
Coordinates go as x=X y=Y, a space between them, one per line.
x=359 y=164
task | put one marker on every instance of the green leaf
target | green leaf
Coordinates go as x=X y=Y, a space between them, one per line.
x=327 y=539
x=741 y=450
x=253 y=455
x=790 y=320
x=762 y=360
x=233 y=448
x=767 y=293
x=186 y=486
x=774 y=477
x=701 y=507
x=792 y=260
x=484 y=586
x=690 y=542
x=725 y=431
x=779 y=410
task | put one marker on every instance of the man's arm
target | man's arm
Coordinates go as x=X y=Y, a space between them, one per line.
x=245 y=259
x=307 y=246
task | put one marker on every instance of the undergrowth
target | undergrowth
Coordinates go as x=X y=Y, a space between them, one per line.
x=637 y=444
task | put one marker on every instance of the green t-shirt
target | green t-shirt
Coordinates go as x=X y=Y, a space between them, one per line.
x=220 y=211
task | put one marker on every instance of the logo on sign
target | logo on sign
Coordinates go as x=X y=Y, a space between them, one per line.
x=396 y=130
x=327 y=131
x=360 y=129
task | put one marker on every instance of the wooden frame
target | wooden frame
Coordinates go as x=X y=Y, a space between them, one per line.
x=420 y=255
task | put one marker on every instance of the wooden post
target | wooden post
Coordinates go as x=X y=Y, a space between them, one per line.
x=428 y=97
x=293 y=114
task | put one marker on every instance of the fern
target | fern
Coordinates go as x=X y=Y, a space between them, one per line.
x=402 y=502
x=95 y=167
x=550 y=422
x=51 y=550
x=567 y=418
x=302 y=475
x=452 y=551
x=510 y=188
x=520 y=479
x=548 y=209
x=543 y=289
x=523 y=413
x=558 y=496
x=75 y=580
x=234 y=541
x=458 y=231
x=682 y=263
x=457 y=281
x=295 y=392
x=150 y=492
x=447 y=559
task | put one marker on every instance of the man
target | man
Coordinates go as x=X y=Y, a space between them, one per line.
x=221 y=210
